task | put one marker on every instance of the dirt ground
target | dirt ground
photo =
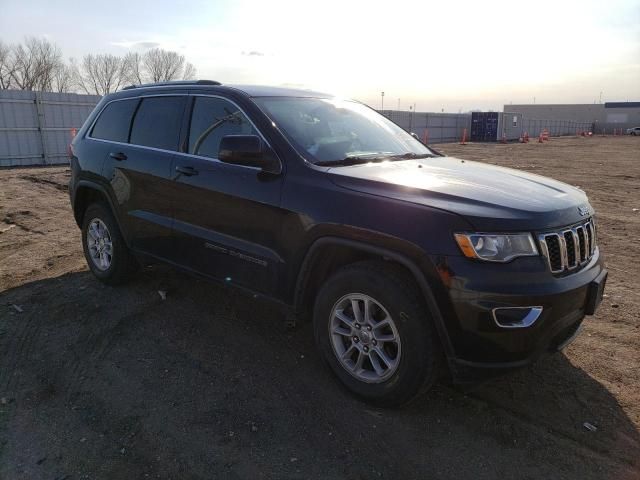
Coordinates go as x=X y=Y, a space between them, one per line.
x=110 y=383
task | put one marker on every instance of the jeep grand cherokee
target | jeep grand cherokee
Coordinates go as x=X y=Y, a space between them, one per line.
x=409 y=263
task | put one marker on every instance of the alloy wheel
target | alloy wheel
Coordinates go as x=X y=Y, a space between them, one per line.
x=99 y=244
x=364 y=338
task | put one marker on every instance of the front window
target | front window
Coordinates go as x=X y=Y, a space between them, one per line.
x=327 y=131
x=212 y=119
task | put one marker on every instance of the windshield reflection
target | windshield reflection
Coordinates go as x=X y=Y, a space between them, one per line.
x=333 y=130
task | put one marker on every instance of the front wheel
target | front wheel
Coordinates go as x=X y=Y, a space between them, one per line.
x=374 y=331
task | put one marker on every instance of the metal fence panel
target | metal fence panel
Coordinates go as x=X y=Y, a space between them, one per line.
x=35 y=127
x=437 y=127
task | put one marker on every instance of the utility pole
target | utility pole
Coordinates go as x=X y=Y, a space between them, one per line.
x=601 y=97
x=398 y=104
x=382 y=102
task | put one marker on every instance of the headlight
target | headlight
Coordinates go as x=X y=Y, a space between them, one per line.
x=496 y=247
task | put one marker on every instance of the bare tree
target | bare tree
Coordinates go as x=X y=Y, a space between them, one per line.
x=134 y=68
x=33 y=64
x=163 y=65
x=6 y=66
x=63 y=78
x=37 y=64
x=189 y=72
x=101 y=74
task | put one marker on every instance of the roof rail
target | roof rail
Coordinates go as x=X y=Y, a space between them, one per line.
x=175 y=82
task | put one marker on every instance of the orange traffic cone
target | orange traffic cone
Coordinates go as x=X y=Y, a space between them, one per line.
x=464 y=137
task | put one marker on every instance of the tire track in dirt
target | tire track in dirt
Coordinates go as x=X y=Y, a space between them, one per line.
x=99 y=333
x=95 y=346
x=19 y=348
x=518 y=416
x=45 y=181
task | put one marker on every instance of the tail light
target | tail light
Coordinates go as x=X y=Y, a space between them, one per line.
x=70 y=153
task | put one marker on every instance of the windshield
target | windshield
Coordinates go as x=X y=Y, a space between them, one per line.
x=327 y=131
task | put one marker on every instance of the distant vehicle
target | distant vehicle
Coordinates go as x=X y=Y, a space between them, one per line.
x=633 y=131
x=411 y=264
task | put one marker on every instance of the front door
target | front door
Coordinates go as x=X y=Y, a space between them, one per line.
x=227 y=217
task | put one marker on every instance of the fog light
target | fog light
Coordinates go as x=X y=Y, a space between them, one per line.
x=516 y=317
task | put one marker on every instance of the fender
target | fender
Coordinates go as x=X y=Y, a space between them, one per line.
x=418 y=275
x=105 y=193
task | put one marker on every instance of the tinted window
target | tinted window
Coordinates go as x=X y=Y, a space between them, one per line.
x=115 y=120
x=157 y=122
x=212 y=119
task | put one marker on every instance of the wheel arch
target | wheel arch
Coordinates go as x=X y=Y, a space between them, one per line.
x=88 y=192
x=316 y=268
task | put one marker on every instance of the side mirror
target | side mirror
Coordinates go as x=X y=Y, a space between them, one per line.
x=250 y=151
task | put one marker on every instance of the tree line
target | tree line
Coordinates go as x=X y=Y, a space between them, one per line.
x=38 y=64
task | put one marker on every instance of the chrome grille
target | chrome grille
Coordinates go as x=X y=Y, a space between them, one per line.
x=569 y=248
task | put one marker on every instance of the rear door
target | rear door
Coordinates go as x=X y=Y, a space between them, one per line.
x=227 y=217
x=141 y=176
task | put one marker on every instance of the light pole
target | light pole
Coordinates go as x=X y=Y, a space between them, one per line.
x=398 y=104
x=382 y=97
x=410 y=118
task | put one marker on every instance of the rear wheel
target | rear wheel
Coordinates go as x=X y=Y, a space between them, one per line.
x=104 y=248
x=373 y=330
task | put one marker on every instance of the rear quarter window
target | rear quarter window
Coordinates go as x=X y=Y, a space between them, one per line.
x=115 y=121
x=157 y=122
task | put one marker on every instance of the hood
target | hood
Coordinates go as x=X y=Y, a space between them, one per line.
x=491 y=198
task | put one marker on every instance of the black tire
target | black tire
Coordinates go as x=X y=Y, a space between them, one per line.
x=394 y=289
x=122 y=264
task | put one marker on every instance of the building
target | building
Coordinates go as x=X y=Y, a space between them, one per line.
x=604 y=117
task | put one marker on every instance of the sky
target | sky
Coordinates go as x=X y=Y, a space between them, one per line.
x=445 y=55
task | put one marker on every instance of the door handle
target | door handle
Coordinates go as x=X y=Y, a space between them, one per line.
x=119 y=156
x=188 y=171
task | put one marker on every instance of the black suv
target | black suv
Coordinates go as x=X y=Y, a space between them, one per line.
x=410 y=263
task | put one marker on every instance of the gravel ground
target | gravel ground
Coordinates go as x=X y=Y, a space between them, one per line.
x=102 y=382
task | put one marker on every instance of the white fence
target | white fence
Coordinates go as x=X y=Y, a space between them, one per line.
x=439 y=127
x=35 y=127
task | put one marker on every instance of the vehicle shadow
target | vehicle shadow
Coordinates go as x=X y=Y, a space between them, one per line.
x=119 y=383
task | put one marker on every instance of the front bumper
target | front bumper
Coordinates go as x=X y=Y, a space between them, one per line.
x=481 y=347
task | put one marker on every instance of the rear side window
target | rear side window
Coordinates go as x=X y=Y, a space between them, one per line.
x=157 y=122
x=212 y=119
x=115 y=120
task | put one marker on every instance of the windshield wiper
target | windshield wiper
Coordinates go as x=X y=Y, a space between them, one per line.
x=352 y=160
x=358 y=159
x=411 y=155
